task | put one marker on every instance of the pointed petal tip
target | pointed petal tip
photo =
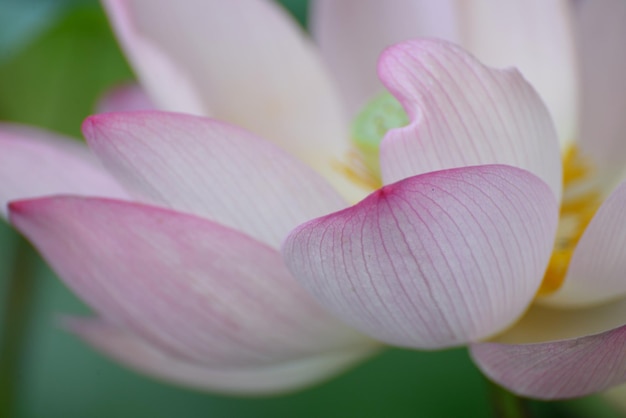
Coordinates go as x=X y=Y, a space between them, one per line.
x=420 y=263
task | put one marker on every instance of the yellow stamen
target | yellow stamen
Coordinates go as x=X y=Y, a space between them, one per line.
x=357 y=171
x=577 y=210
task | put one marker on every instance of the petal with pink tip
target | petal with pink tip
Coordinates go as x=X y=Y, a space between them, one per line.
x=601 y=31
x=38 y=163
x=250 y=64
x=597 y=268
x=212 y=169
x=559 y=369
x=432 y=261
x=351 y=35
x=535 y=36
x=196 y=289
x=144 y=357
x=124 y=98
x=463 y=113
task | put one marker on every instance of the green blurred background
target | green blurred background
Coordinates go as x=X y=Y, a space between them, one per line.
x=56 y=58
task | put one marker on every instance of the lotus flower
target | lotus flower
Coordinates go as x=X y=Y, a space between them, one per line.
x=178 y=254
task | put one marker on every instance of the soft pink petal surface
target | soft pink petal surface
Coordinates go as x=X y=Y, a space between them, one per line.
x=463 y=113
x=536 y=37
x=351 y=35
x=559 y=369
x=124 y=98
x=601 y=31
x=168 y=82
x=37 y=163
x=251 y=65
x=198 y=290
x=211 y=169
x=597 y=271
x=143 y=357
x=433 y=261
x=544 y=323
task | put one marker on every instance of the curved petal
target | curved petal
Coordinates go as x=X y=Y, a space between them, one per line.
x=543 y=323
x=559 y=369
x=196 y=289
x=257 y=71
x=166 y=81
x=38 y=163
x=463 y=113
x=211 y=169
x=597 y=268
x=124 y=98
x=536 y=36
x=601 y=33
x=351 y=35
x=431 y=261
x=143 y=357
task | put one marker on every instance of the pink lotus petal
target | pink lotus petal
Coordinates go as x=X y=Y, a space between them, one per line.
x=196 y=289
x=463 y=113
x=598 y=267
x=124 y=98
x=556 y=370
x=167 y=82
x=37 y=163
x=433 y=261
x=351 y=35
x=601 y=30
x=249 y=63
x=212 y=169
x=143 y=357
x=543 y=323
x=535 y=36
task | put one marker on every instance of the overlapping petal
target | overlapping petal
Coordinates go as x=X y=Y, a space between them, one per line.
x=199 y=291
x=249 y=63
x=601 y=31
x=432 y=261
x=597 y=269
x=352 y=33
x=35 y=163
x=146 y=358
x=211 y=169
x=463 y=113
x=536 y=37
x=558 y=369
x=169 y=84
x=542 y=323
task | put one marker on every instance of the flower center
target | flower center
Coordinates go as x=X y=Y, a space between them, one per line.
x=581 y=196
x=581 y=200
x=380 y=115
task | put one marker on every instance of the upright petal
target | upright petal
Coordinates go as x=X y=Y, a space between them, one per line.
x=601 y=34
x=351 y=35
x=559 y=369
x=146 y=358
x=38 y=163
x=250 y=64
x=432 y=261
x=463 y=113
x=597 y=269
x=168 y=82
x=211 y=169
x=197 y=290
x=536 y=36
